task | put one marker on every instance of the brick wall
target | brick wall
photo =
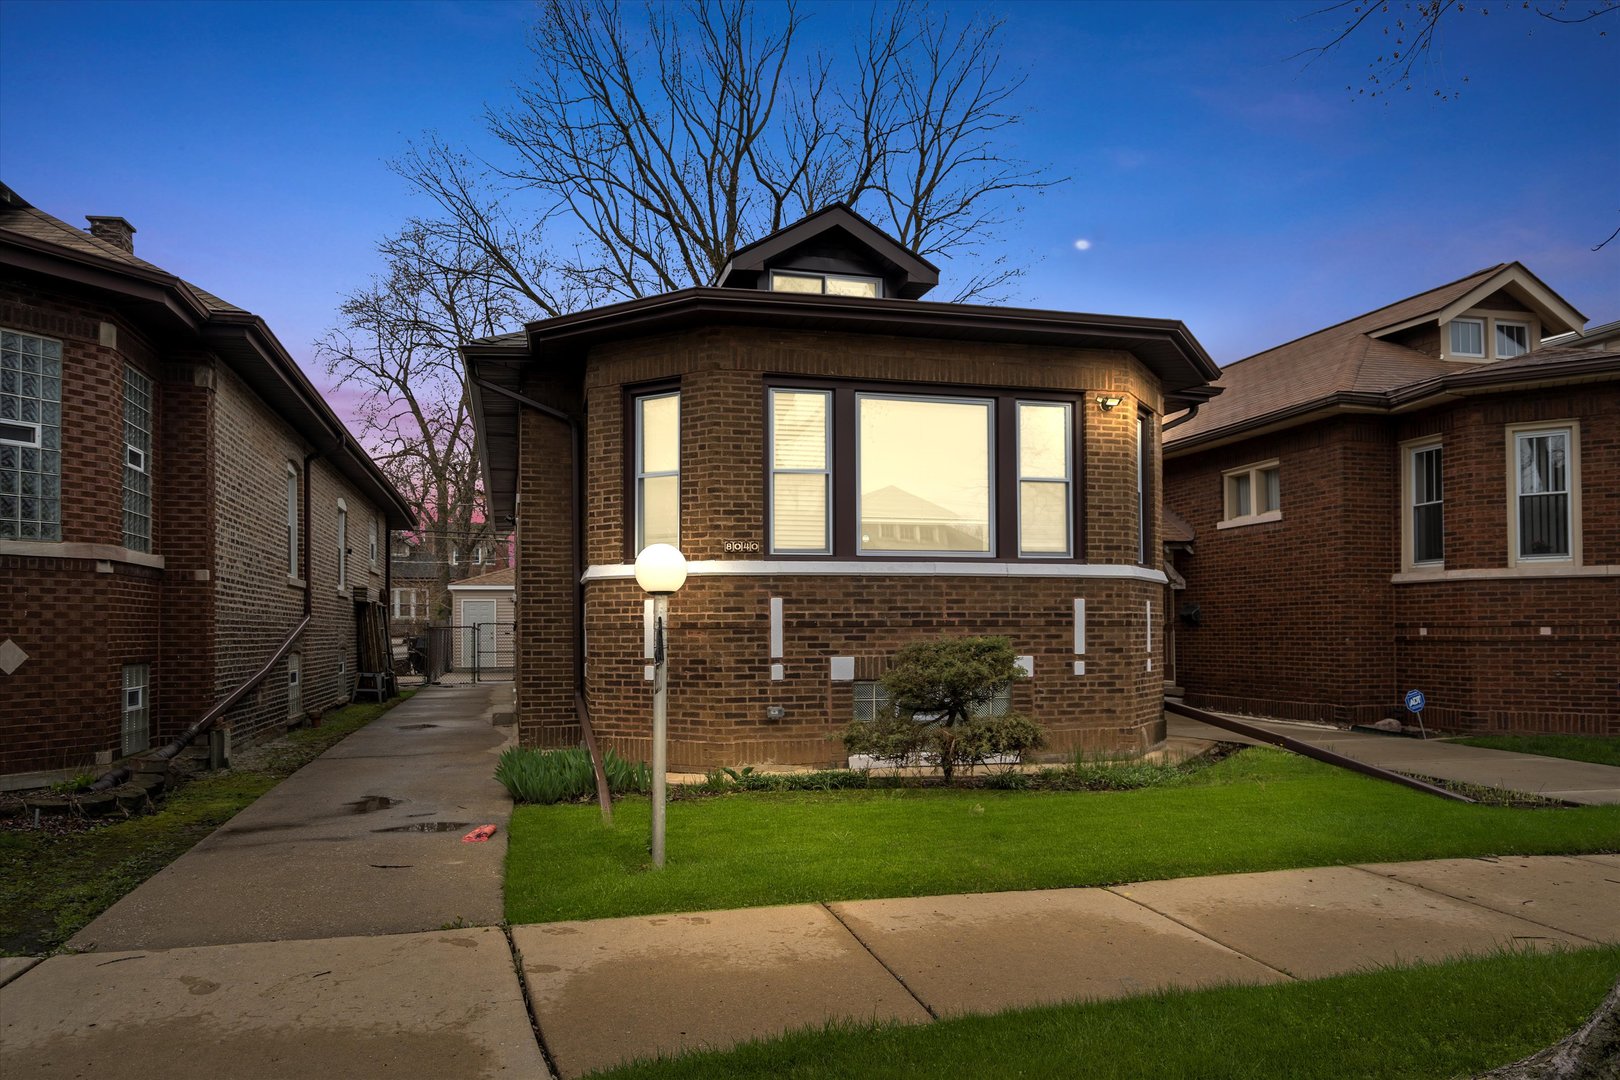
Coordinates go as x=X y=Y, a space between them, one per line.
x=720 y=671
x=1301 y=617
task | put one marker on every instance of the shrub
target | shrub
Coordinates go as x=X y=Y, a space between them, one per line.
x=550 y=776
x=724 y=780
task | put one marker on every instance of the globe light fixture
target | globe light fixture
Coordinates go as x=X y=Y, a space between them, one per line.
x=661 y=571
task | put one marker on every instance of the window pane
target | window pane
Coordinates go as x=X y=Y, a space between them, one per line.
x=1541 y=463
x=660 y=433
x=1428 y=535
x=924 y=472
x=1544 y=495
x=1043 y=517
x=1512 y=339
x=1271 y=496
x=1240 y=495
x=845 y=286
x=1043 y=441
x=799 y=516
x=799 y=429
x=795 y=283
x=1468 y=337
x=661 y=510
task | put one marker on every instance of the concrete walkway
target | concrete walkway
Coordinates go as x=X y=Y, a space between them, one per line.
x=1555 y=778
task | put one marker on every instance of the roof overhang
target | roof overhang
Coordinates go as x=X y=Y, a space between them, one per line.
x=1556 y=315
x=913 y=274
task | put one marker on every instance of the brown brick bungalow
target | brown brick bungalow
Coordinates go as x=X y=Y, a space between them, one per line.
x=175 y=499
x=848 y=468
x=1426 y=497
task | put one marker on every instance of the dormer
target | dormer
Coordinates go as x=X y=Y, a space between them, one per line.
x=1506 y=313
x=833 y=252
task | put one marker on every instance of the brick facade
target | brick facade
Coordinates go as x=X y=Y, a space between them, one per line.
x=1311 y=617
x=720 y=684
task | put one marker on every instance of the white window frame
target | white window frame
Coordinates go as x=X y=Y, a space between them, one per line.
x=342 y=546
x=825 y=471
x=636 y=404
x=876 y=282
x=374 y=543
x=1488 y=321
x=292 y=522
x=1409 y=454
x=1572 y=478
x=992 y=523
x=1525 y=325
x=1067 y=480
x=31 y=443
x=1230 y=519
x=1484 y=337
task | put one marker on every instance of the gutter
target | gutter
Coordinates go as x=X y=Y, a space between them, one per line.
x=577 y=523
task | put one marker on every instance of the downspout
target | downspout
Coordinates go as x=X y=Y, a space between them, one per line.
x=576 y=506
x=1192 y=411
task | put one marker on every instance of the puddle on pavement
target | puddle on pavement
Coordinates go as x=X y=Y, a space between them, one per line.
x=370 y=804
x=428 y=826
x=414 y=727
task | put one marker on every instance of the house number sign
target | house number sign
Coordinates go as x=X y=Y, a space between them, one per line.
x=748 y=546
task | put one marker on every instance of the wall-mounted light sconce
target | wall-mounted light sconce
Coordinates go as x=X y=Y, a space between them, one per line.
x=1106 y=402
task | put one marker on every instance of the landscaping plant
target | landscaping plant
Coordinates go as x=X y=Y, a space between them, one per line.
x=941 y=694
x=550 y=776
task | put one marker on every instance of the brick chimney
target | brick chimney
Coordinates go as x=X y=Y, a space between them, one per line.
x=115 y=230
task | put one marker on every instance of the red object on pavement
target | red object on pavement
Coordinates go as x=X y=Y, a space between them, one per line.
x=478 y=835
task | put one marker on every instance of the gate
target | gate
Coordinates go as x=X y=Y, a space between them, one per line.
x=471 y=653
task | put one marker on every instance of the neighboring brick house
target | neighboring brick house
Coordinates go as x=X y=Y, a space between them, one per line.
x=174 y=495
x=419 y=596
x=1422 y=497
x=848 y=468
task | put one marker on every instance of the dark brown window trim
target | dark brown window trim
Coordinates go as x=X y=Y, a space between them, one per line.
x=1146 y=425
x=1005 y=467
x=627 y=440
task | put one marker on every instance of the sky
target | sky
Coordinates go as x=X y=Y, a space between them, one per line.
x=1211 y=178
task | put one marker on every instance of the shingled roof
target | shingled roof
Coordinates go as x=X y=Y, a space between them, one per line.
x=1352 y=363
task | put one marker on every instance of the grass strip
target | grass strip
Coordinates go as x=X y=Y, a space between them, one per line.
x=1257 y=810
x=1432 y=1021
x=1598 y=749
x=52 y=886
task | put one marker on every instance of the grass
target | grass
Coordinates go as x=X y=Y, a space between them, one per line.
x=1595 y=748
x=1257 y=810
x=1442 y=1020
x=53 y=884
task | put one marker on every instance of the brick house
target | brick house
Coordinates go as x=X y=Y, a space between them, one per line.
x=175 y=497
x=419 y=593
x=1427 y=497
x=848 y=468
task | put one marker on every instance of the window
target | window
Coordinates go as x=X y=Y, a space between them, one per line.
x=292 y=520
x=658 y=469
x=1426 y=539
x=1512 y=339
x=1253 y=494
x=923 y=474
x=801 y=471
x=373 y=543
x=800 y=281
x=1143 y=450
x=137 y=725
x=30 y=437
x=1544 y=468
x=137 y=461
x=1045 y=477
x=872 y=701
x=404 y=603
x=1468 y=337
x=342 y=546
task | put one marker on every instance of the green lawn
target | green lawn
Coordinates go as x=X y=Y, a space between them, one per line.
x=1257 y=810
x=1596 y=748
x=52 y=886
x=1438 y=1021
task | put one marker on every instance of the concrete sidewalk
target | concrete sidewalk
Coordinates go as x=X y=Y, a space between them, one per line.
x=343 y=847
x=1555 y=778
x=447 y=1004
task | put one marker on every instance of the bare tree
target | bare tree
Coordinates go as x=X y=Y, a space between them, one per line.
x=655 y=142
x=397 y=343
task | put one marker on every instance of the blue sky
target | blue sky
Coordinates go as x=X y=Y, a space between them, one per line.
x=1217 y=181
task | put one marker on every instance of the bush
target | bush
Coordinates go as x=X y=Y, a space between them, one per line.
x=724 y=780
x=940 y=691
x=551 y=776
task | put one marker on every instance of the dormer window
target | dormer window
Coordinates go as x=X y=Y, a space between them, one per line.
x=1512 y=339
x=1468 y=337
x=799 y=281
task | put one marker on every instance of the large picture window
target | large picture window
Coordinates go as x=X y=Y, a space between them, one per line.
x=923 y=474
x=1543 y=483
x=658 y=469
x=30 y=437
x=1045 y=478
x=801 y=471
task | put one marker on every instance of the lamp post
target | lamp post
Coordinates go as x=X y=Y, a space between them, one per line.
x=660 y=570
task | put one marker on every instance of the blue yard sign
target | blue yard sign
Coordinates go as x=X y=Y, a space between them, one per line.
x=1415 y=701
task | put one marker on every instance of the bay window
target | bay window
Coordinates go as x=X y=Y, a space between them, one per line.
x=923 y=474
x=1045 y=477
x=801 y=471
x=657 y=469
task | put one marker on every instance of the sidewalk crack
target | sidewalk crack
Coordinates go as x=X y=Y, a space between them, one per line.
x=528 y=1002
x=1473 y=903
x=1193 y=929
x=893 y=974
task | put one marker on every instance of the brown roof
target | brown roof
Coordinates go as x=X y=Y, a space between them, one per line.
x=1346 y=364
x=506 y=576
x=1175 y=528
